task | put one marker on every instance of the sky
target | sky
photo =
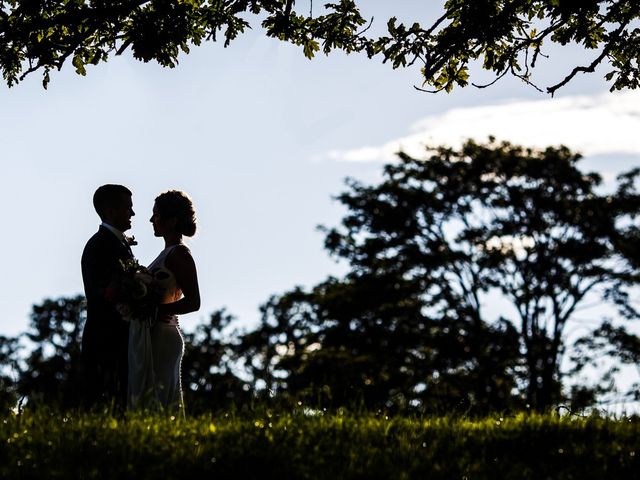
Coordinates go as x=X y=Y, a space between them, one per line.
x=262 y=139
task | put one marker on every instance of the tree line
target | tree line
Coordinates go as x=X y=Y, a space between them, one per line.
x=466 y=269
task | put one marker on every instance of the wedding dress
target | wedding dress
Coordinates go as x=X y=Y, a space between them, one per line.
x=156 y=347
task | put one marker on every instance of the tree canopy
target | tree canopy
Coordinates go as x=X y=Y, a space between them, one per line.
x=504 y=37
x=430 y=249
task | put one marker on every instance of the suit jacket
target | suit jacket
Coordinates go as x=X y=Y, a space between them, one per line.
x=106 y=335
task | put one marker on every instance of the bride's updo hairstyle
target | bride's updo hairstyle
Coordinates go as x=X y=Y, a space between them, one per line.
x=175 y=203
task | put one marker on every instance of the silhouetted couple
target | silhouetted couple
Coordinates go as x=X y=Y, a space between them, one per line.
x=130 y=360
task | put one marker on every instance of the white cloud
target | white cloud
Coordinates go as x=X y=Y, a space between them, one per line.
x=607 y=123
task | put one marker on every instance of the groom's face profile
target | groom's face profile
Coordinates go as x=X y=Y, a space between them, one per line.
x=120 y=213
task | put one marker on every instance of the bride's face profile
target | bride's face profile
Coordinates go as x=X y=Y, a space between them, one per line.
x=161 y=226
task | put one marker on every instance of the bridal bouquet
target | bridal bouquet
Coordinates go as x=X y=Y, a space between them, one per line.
x=138 y=297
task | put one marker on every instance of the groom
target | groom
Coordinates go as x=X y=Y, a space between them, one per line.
x=106 y=335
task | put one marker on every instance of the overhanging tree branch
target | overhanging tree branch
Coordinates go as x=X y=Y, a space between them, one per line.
x=615 y=37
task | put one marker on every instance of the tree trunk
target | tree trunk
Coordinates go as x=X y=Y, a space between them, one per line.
x=543 y=390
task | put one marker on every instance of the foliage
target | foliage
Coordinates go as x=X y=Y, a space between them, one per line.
x=409 y=322
x=510 y=37
x=52 y=369
x=267 y=444
x=44 y=35
x=612 y=342
x=9 y=348
x=208 y=377
x=366 y=339
x=504 y=37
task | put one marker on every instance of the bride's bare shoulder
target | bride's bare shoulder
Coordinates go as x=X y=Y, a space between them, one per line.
x=180 y=254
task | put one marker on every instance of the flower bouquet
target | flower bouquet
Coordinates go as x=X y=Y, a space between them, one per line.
x=138 y=297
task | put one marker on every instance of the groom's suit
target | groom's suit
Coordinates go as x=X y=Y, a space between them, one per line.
x=106 y=335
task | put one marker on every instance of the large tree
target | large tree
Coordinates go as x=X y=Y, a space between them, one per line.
x=430 y=249
x=367 y=340
x=503 y=36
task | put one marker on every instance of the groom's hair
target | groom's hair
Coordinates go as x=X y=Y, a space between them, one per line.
x=108 y=196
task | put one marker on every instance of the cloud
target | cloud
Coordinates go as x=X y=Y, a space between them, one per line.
x=607 y=123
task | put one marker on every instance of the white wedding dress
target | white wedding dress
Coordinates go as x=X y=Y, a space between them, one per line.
x=156 y=347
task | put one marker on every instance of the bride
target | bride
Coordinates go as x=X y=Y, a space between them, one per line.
x=156 y=347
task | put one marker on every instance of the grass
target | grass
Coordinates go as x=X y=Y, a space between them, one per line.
x=295 y=445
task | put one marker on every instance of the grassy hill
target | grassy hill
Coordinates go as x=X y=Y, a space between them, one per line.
x=295 y=445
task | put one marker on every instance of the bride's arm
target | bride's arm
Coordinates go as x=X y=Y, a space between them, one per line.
x=181 y=263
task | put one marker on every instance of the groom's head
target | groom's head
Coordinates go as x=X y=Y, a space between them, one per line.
x=114 y=206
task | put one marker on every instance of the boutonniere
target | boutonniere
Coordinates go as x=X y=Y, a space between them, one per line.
x=131 y=240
